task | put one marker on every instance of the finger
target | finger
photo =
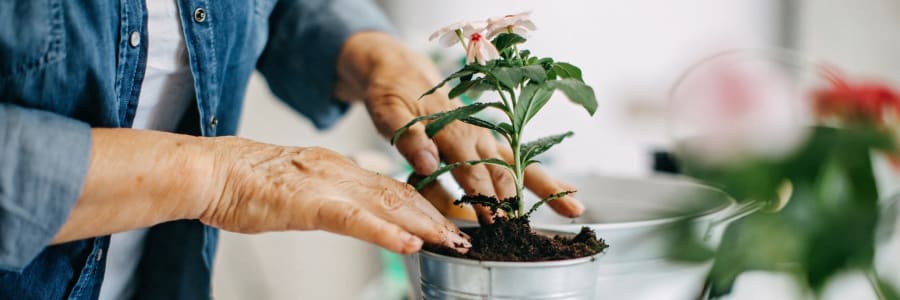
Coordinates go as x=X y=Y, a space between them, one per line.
x=476 y=180
x=402 y=205
x=503 y=182
x=427 y=206
x=442 y=200
x=390 y=113
x=351 y=220
x=543 y=185
x=419 y=150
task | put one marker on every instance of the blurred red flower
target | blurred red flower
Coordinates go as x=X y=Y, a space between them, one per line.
x=855 y=102
x=860 y=103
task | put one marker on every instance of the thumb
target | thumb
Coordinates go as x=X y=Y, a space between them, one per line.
x=392 y=113
x=419 y=150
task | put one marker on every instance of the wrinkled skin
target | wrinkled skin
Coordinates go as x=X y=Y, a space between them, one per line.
x=274 y=188
x=137 y=179
x=394 y=79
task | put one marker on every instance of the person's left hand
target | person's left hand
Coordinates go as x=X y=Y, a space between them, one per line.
x=390 y=78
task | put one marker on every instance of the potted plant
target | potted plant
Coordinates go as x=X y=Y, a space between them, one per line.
x=508 y=260
x=823 y=165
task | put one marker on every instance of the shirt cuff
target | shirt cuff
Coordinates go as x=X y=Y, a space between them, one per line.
x=43 y=164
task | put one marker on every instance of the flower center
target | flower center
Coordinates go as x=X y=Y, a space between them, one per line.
x=475 y=37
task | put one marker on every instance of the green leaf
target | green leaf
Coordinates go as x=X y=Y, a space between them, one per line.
x=439 y=123
x=465 y=71
x=509 y=205
x=485 y=124
x=532 y=98
x=509 y=77
x=475 y=91
x=531 y=161
x=444 y=118
x=548 y=199
x=567 y=70
x=535 y=73
x=577 y=92
x=886 y=289
x=506 y=40
x=402 y=130
x=524 y=54
x=506 y=127
x=535 y=148
x=462 y=87
x=446 y=168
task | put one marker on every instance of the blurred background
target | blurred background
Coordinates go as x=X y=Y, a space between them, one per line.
x=631 y=53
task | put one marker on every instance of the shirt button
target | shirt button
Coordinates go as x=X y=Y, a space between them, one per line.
x=213 y=122
x=199 y=15
x=99 y=254
x=135 y=39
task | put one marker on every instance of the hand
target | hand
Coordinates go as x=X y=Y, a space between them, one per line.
x=272 y=188
x=391 y=78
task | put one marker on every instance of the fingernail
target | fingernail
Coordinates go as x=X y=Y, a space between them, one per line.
x=425 y=163
x=412 y=241
x=457 y=241
x=577 y=206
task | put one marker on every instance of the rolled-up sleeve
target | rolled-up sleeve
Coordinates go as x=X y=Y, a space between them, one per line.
x=43 y=163
x=305 y=39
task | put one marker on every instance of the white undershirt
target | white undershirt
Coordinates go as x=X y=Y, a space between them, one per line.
x=166 y=92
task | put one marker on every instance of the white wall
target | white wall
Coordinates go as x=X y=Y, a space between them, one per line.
x=630 y=52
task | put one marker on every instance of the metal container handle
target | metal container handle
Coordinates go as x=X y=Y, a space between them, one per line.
x=783 y=195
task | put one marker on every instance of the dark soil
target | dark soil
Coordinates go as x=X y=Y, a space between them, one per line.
x=513 y=240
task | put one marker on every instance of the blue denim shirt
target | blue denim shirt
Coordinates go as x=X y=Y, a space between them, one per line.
x=69 y=65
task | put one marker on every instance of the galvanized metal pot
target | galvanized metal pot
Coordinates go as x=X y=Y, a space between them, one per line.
x=445 y=278
x=637 y=217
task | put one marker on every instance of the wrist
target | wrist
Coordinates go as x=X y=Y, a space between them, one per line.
x=200 y=176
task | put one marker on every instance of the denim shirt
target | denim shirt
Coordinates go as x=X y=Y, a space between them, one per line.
x=69 y=65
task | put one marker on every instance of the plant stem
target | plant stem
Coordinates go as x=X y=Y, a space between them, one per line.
x=462 y=41
x=515 y=47
x=520 y=174
x=875 y=282
x=505 y=101
x=518 y=164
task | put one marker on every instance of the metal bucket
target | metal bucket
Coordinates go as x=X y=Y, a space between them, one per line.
x=637 y=217
x=446 y=278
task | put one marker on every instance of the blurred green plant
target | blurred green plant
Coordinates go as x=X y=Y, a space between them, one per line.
x=829 y=223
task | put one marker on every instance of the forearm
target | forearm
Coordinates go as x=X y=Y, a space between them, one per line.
x=137 y=179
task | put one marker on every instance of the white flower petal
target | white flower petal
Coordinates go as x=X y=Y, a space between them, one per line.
x=445 y=29
x=520 y=31
x=496 y=32
x=490 y=51
x=470 y=52
x=436 y=34
x=527 y=24
x=448 y=39
x=473 y=27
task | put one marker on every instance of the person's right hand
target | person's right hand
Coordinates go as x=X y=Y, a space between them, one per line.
x=272 y=188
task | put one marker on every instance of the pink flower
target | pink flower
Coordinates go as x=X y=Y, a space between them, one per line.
x=480 y=50
x=519 y=24
x=454 y=33
x=729 y=110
